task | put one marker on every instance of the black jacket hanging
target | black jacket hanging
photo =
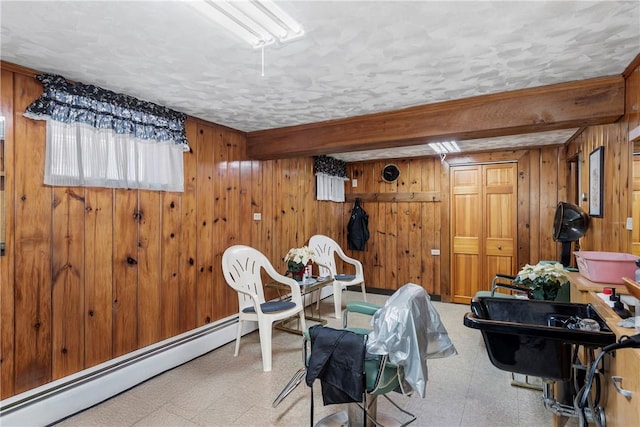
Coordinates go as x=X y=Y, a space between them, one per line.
x=358 y=228
x=337 y=359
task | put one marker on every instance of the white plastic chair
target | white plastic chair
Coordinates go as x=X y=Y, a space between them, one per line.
x=326 y=250
x=241 y=266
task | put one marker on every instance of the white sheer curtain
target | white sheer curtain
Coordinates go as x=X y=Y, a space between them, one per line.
x=81 y=155
x=99 y=138
x=331 y=173
x=330 y=187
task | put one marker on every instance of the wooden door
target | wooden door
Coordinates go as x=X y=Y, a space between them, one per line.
x=483 y=226
x=466 y=231
x=500 y=221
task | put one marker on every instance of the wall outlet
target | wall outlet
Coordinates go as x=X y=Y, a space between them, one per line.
x=629 y=225
x=257 y=216
x=435 y=251
x=354 y=182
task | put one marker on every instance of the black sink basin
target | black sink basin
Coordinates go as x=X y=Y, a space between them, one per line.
x=534 y=337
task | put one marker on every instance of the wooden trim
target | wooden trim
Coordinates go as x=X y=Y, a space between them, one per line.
x=222 y=127
x=486 y=157
x=634 y=134
x=14 y=68
x=560 y=106
x=524 y=199
x=417 y=196
x=575 y=136
x=8 y=261
x=631 y=67
x=445 y=233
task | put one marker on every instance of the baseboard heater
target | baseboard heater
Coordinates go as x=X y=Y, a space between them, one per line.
x=59 y=399
x=66 y=396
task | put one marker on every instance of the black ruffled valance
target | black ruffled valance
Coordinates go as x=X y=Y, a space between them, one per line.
x=103 y=109
x=330 y=166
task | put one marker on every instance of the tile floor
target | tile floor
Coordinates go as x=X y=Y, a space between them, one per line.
x=218 y=389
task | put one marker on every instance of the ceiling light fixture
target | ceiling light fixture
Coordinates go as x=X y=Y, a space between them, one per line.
x=258 y=22
x=445 y=147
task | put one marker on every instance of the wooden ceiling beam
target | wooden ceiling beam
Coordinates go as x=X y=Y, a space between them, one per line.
x=545 y=108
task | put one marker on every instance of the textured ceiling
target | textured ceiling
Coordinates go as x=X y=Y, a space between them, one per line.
x=511 y=142
x=356 y=58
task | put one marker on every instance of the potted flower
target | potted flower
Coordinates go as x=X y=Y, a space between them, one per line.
x=297 y=259
x=544 y=279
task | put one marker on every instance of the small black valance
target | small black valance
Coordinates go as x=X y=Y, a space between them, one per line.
x=67 y=102
x=330 y=166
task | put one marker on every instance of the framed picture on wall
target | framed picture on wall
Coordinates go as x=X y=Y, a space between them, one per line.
x=596 y=180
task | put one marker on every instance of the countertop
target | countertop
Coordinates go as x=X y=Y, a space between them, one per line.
x=581 y=283
x=585 y=291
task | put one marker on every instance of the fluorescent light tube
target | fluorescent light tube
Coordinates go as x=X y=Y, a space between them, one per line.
x=296 y=29
x=437 y=147
x=258 y=22
x=258 y=15
x=451 y=146
x=219 y=17
x=445 y=147
x=237 y=13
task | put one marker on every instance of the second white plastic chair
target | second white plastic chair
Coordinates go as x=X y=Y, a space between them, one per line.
x=326 y=250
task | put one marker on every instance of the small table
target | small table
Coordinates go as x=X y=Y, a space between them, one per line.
x=314 y=284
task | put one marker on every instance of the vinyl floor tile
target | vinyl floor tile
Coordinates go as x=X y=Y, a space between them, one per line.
x=218 y=389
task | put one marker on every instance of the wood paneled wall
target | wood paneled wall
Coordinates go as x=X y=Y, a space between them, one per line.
x=404 y=233
x=93 y=273
x=609 y=233
x=395 y=257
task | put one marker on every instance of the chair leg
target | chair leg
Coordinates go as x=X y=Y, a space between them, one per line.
x=412 y=416
x=303 y=323
x=297 y=378
x=265 y=329
x=337 y=300
x=238 y=336
x=364 y=292
x=319 y=293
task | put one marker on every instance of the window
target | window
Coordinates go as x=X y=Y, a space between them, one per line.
x=98 y=138
x=331 y=174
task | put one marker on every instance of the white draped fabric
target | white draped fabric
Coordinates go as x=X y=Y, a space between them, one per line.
x=78 y=154
x=330 y=187
x=99 y=138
